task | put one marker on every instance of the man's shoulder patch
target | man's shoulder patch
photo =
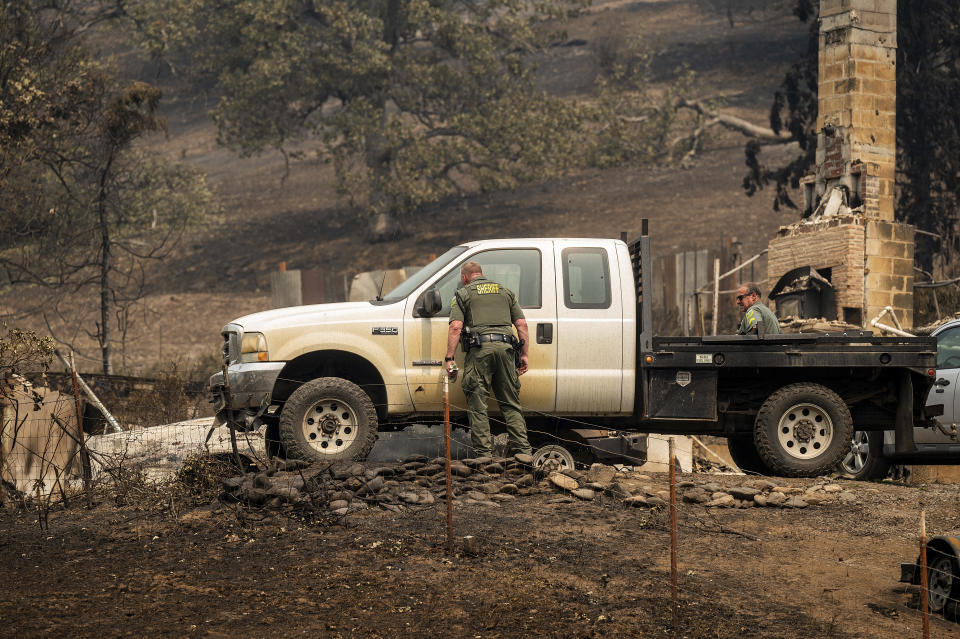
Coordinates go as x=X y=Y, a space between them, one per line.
x=487 y=288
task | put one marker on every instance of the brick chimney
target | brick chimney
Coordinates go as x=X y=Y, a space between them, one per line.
x=850 y=232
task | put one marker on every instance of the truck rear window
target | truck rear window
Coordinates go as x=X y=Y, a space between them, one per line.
x=586 y=278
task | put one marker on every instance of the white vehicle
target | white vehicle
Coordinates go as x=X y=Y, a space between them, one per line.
x=872 y=452
x=325 y=378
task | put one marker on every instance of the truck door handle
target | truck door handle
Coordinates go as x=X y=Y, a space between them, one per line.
x=544 y=333
x=942 y=382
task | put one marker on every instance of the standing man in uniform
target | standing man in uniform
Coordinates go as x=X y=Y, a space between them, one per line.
x=491 y=311
x=757 y=318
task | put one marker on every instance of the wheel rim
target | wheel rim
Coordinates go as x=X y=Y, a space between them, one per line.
x=939 y=583
x=330 y=426
x=859 y=452
x=559 y=454
x=805 y=431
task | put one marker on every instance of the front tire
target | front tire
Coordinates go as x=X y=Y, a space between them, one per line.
x=865 y=461
x=803 y=430
x=328 y=419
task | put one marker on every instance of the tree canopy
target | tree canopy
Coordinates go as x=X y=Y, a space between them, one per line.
x=412 y=100
x=82 y=208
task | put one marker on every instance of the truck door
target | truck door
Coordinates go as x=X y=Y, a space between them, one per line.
x=945 y=389
x=589 y=328
x=528 y=272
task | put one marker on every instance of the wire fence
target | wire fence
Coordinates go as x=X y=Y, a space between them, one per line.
x=42 y=440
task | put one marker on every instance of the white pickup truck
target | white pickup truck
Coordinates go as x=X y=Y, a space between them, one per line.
x=325 y=378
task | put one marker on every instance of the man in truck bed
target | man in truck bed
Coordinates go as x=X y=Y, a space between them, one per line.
x=757 y=318
x=490 y=310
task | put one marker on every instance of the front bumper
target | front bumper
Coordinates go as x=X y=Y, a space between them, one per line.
x=251 y=386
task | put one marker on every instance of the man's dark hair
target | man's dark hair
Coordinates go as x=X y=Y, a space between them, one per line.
x=752 y=288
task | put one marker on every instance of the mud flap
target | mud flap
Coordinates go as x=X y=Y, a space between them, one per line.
x=904 y=425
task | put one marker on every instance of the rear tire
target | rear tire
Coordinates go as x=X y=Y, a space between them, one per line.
x=803 y=430
x=743 y=452
x=865 y=461
x=328 y=419
x=941 y=580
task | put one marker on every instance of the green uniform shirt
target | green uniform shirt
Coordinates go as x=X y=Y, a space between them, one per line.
x=759 y=320
x=488 y=307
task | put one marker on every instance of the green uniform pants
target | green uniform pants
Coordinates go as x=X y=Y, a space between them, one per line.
x=490 y=368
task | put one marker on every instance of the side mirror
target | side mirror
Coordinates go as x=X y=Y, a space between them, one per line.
x=429 y=304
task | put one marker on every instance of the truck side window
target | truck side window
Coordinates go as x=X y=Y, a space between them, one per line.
x=948 y=348
x=586 y=278
x=517 y=269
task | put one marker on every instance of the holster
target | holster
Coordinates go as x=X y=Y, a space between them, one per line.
x=518 y=353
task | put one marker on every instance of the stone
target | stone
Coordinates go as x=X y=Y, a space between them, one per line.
x=414 y=465
x=423 y=481
x=524 y=458
x=847 y=497
x=341 y=494
x=410 y=498
x=502 y=497
x=460 y=470
x=795 y=502
x=509 y=489
x=487 y=502
x=598 y=486
x=832 y=488
x=494 y=468
x=662 y=494
x=343 y=470
x=341 y=511
x=760 y=499
x=743 y=492
x=712 y=488
x=527 y=491
x=561 y=500
x=261 y=480
x=616 y=490
x=600 y=473
x=475 y=495
x=415 y=459
x=695 y=496
x=477 y=462
x=438 y=461
x=256 y=496
x=371 y=486
x=430 y=469
x=775 y=498
x=788 y=490
x=572 y=473
x=490 y=487
x=391 y=507
x=232 y=483
x=763 y=485
x=635 y=501
x=686 y=484
x=563 y=481
x=525 y=480
x=719 y=494
x=584 y=493
x=656 y=500
x=817 y=498
x=426 y=499
x=385 y=471
x=642 y=477
x=286 y=493
x=337 y=504
x=726 y=501
x=293 y=464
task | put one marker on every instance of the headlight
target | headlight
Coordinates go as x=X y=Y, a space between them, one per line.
x=253 y=348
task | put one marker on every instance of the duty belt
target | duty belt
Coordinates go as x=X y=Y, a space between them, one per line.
x=497 y=337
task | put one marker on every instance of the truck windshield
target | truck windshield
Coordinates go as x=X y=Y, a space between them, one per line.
x=421 y=276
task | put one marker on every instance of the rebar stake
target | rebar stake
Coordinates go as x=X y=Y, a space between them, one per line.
x=674 y=578
x=924 y=594
x=447 y=461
